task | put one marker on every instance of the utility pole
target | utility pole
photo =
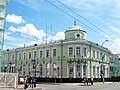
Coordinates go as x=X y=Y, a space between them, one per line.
x=102 y=57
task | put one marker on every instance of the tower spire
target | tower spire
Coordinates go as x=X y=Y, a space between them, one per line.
x=74 y=23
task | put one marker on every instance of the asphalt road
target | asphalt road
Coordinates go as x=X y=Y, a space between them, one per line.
x=108 y=86
x=71 y=86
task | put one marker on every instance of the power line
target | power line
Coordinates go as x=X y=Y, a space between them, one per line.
x=74 y=18
x=84 y=18
x=80 y=21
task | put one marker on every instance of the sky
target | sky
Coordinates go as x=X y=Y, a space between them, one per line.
x=30 y=22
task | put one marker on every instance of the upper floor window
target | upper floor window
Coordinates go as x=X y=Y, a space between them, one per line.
x=24 y=56
x=19 y=56
x=93 y=54
x=29 y=55
x=41 y=54
x=78 y=51
x=47 y=53
x=97 y=55
x=54 y=52
x=85 y=52
x=70 y=51
x=35 y=54
x=12 y=56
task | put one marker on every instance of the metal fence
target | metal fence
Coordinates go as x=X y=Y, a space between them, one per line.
x=9 y=80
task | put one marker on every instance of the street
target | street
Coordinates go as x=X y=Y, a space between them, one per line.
x=71 y=86
x=99 y=86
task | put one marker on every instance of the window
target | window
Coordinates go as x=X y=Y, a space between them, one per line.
x=47 y=69
x=93 y=54
x=41 y=70
x=24 y=56
x=84 y=70
x=107 y=72
x=94 y=71
x=70 y=51
x=85 y=52
x=35 y=55
x=70 y=71
x=54 y=52
x=97 y=55
x=29 y=55
x=41 y=54
x=78 y=71
x=98 y=72
x=78 y=51
x=47 y=53
x=12 y=57
x=19 y=56
x=2 y=24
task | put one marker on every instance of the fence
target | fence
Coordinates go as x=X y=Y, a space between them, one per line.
x=9 y=80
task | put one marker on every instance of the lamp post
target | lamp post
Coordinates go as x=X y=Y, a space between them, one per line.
x=102 y=69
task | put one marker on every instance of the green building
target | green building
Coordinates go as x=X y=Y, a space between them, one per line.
x=74 y=57
x=2 y=21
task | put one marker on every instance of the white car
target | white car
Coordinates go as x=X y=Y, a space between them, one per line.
x=21 y=80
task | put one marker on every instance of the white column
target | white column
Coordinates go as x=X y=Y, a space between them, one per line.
x=82 y=71
x=67 y=71
x=88 y=70
x=74 y=71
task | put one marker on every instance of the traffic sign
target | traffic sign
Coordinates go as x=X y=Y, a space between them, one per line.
x=33 y=61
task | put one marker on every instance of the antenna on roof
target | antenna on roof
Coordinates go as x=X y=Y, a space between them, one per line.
x=51 y=33
x=74 y=23
x=46 y=30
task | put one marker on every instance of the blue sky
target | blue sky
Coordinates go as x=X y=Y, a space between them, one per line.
x=29 y=21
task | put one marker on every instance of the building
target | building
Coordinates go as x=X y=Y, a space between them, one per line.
x=74 y=57
x=2 y=21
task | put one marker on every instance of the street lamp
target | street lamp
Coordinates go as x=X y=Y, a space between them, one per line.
x=102 y=70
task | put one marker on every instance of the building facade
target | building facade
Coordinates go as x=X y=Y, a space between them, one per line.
x=2 y=20
x=74 y=57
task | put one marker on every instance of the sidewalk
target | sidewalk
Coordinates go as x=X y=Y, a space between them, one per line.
x=21 y=87
x=41 y=85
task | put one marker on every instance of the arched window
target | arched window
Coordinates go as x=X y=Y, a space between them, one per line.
x=55 y=70
x=41 y=70
x=47 y=69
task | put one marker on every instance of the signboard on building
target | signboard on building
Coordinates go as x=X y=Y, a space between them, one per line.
x=33 y=61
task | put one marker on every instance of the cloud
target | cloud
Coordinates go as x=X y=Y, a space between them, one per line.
x=29 y=30
x=15 y=19
x=34 y=4
x=8 y=37
x=114 y=47
x=58 y=36
x=115 y=29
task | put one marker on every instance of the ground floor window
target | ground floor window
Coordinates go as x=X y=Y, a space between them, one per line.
x=47 y=69
x=70 y=71
x=107 y=72
x=98 y=72
x=84 y=70
x=78 y=71
x=94 y=71
x=55 y=70
x=41 y=69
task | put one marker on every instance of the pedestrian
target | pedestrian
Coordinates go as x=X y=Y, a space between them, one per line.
x=34 y=81
x=25 y=82
x=91 y=80
x=87 y=81
x=29 y=80
x=84 y=80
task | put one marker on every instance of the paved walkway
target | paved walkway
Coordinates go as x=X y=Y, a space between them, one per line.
x=21 y=87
